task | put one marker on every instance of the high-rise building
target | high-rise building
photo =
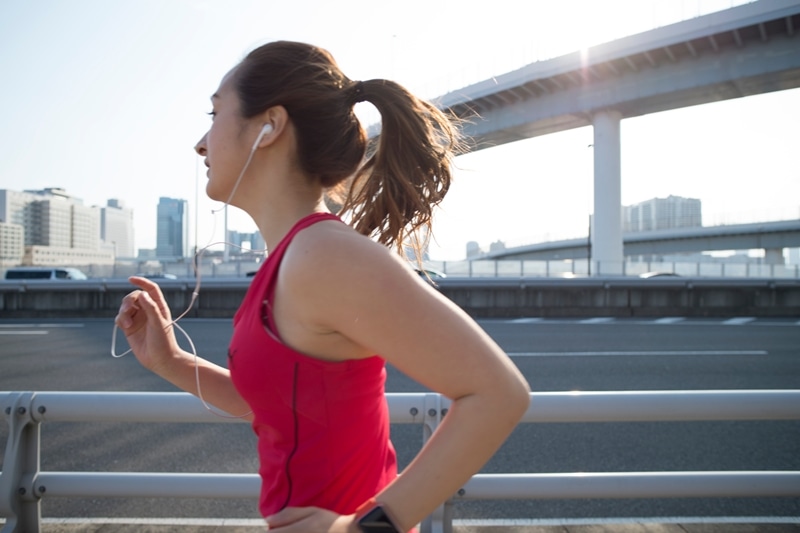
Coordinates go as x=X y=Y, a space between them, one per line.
x=172 y=228
x=12 y=226
x=236 y=242
x=663 y=213
x=57 y=228
x=116 y=228
x=50 y=222
x=12 y=243
x=14 y=208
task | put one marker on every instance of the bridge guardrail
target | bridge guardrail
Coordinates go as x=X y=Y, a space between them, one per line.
x=23 y=485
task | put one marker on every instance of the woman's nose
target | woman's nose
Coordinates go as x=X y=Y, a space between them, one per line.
x=200 y=147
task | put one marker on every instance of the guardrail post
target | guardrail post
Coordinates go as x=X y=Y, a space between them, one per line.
x=19 y=502
x=441 y=520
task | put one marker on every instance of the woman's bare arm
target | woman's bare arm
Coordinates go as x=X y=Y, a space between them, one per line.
x=146 y=321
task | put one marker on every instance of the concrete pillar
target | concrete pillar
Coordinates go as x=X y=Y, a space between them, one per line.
x=773 y=256
x=607 y=255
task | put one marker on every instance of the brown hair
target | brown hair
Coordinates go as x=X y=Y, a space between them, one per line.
x=393 y=188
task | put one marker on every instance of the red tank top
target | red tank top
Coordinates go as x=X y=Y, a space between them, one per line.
x=322 y=427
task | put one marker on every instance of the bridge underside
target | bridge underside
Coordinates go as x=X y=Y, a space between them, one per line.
x=677 y=66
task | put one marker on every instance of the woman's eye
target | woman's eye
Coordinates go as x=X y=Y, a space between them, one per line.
x=212 y=114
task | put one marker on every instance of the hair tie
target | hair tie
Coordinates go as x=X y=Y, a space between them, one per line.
x=358 y=92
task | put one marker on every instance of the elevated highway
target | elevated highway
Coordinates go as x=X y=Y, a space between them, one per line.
x=738 y=52
x=770 y=236
x=743 y=51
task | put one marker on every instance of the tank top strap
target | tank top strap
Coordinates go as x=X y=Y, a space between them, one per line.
x=274 y=260
x=275 y=257
x=262 y=283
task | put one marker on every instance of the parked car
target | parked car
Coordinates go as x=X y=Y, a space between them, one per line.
x=430 y=273
x=648 y=275
x=158 y=275
x=44 y=273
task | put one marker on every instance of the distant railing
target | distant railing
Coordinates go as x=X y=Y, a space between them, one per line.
x=23 y=485
x=481 y=268
x=572 y=268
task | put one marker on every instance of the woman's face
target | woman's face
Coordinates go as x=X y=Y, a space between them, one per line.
x=225 y=146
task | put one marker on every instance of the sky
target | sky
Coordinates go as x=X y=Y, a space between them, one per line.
x=106 y=99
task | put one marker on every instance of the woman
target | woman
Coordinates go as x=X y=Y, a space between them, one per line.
x=330 y=296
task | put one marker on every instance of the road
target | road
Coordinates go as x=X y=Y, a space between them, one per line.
x=554 y=355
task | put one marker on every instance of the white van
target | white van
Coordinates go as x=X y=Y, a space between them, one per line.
x=44 y=273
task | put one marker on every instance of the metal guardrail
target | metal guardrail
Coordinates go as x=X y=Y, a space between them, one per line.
x=23 y=485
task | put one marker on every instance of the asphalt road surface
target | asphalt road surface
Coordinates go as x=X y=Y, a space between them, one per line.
x=554 y=355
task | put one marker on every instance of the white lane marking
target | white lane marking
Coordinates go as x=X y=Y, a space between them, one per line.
x=597 y=320
x=554 y=522
x=638 y=353
x=533 y=320
x=669 y=320
x=462 y=522
x=12 y=326
x=25 y=332
x=738 y=321
x=219 y=522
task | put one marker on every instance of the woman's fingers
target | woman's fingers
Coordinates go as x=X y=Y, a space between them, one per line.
x=128 y=309
x=153 y=308
x=148 y=299
x=153 y=291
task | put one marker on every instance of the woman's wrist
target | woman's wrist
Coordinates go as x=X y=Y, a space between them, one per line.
x=352 y=524
x=174 y=366
x=374 y=517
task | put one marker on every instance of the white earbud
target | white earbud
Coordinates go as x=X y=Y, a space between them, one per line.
x=266 y=130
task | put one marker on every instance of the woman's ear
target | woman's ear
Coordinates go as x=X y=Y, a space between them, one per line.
x=274 y=122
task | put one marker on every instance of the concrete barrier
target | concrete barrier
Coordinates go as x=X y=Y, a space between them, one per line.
x=624 y=297
x=480 y=297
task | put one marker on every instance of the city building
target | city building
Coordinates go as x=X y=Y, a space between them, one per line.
x=12 y=243
x=662 y=213
x=239 y=243
x=116 y=228
x=473 y=250
x=172 y=228
x=13 y=208
x=57 y=229
x=12 y=226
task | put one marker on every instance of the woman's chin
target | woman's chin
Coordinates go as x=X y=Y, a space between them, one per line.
x=214 y=194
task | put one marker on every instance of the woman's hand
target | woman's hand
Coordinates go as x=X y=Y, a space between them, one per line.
x=311 y=520
x=146 y=321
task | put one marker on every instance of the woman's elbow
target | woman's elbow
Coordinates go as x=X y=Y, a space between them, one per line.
x=512 y=395
x=519 y=396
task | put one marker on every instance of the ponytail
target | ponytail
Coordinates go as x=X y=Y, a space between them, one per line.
x=407 y=171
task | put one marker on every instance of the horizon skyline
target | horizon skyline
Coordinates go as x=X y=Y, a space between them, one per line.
x=127 y=132
x=792 y=214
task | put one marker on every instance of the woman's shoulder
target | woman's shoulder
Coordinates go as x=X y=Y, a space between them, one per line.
x=332 y=240
x=330 y=250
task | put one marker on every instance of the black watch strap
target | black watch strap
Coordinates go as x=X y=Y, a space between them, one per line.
x=376 y=520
